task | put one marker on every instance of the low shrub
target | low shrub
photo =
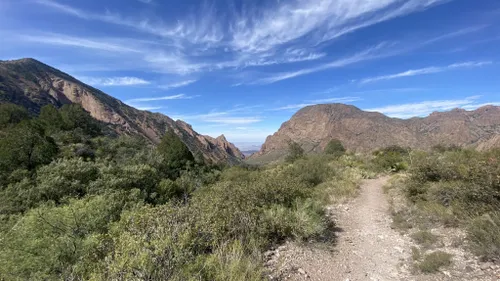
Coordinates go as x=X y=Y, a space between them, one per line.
x=425 y=238
x=434 y=261
x=484 y=235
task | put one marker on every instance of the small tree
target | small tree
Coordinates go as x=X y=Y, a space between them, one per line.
x=295 y=151
x=50 y=118
x=74 y=116
x=176 y=153
x=26 y=146
x=335 y=148
x=12 y=114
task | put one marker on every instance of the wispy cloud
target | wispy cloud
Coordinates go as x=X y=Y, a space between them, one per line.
x=177 y=84
x=234 y=120
x=115 y=81
x=149 y=108
x=280 y=32
x=424 y=71
x=291 y=20
x=239 y=115
x=424 y=108
x=173 y=97
x=367 y=54
x=197 y=30
x=64 y=40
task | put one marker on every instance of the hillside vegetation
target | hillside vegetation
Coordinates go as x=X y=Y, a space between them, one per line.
x=79 y=204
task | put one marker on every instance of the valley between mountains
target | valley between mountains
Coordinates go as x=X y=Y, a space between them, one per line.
x=94 y=189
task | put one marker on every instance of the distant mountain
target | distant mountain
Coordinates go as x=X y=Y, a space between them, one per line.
x=360 y=131
x=32 y=84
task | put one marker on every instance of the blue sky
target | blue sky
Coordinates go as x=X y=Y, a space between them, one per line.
x=243 y=67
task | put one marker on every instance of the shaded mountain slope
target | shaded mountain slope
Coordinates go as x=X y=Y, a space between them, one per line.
x=32 y=84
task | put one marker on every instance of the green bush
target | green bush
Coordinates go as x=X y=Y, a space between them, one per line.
x=54 y=243
x=295 y=152
x=484 y=235
x=424 y=238
x=392 y=158
x=434 y=261
x=335 y=148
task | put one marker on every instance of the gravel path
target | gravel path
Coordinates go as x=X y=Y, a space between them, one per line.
x=366 y=249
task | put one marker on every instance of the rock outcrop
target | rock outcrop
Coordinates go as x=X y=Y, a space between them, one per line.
x=32 y=84
x=360 y=131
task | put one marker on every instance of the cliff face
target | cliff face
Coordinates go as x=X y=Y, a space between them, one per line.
x=32 y=84
x=314 y=126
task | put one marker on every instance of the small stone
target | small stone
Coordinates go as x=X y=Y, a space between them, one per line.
x=301 y=271
x=485 y=266
x=399 y=249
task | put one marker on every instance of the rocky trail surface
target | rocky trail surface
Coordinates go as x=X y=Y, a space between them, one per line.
x=365 y=247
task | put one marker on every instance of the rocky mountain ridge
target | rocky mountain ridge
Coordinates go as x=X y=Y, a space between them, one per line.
x=33 y=84
x=361 y=131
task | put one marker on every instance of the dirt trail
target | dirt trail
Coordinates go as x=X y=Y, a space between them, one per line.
x=366 y=249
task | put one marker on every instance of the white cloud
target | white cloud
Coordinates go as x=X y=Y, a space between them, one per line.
x=177 y=84
x=426 y=70
x=424 y=108
x=115 y=81
x=239 y=115
x=253 y=36
x=234 y=120
x=173 y=97
x=64 y=40
x=293 y=106
x=367 y=54
x=289 y=21
x=149 y=108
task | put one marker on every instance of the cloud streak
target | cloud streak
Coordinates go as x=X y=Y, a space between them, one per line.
x=426 y=70
x=173 y=97
x=424 y=108
x=281 y=32
x=115 y=81
x=177 y=84
x=64 y=40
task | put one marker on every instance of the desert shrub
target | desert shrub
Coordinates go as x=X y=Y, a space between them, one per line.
x=458 y=187
x=392 y=158
x=305 y=219
x=425 y=238
x=64 y=178
x=335 y=148
x=54 y=243
x=484 y=235
x=434 y=261
x=295 y=152
x=312 y=171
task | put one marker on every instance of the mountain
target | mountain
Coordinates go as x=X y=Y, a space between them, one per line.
x=32 y=84
x=360 y=131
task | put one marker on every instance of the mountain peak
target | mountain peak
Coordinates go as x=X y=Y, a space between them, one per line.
x=33 y=84
x=314 y=126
